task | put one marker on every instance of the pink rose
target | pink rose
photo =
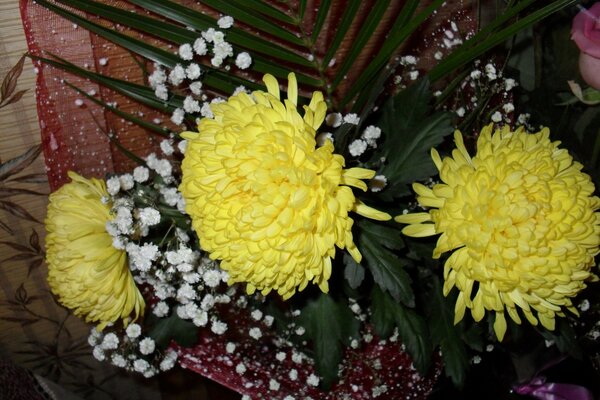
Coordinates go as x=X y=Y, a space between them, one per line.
x=586 y=33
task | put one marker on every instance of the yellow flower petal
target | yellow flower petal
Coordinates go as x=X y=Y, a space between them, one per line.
x=85 y=271
x=522 y=221
x=263 y=199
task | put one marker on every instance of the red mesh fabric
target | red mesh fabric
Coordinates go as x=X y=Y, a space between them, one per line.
x=74 y=130
x=377 y=370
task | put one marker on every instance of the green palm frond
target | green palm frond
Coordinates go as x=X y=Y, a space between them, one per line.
x=327 y=45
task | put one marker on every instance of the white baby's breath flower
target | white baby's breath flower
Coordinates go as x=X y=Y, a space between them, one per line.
x=193 y=71
x=200 y=319
x=166 y=147
x=200 y=47
x=196 y=88
x=243 y=60
x=161 y=309
x=110 y=342
x=357 y=147
x=274 y=385
x=118 y=360
x=206 y=111
x=313 y=380
x=148 y=216
x=147 y=346
x=497 y=117
x=157 y=77
x=351 y=119
x=218 y=327
x=191 y=105
x=255 y=333
x=256 y=315
x=240 y=368
x=161 y=92
x=126 y=181
x=230 y=347
x=141 y=174
x=186 y=52
x=177 y=75
x=133 y=331
x=98 y=353
x=113 y=185
x=225 y=22
x=177 y=116
x=140 y=365
x=212 y=278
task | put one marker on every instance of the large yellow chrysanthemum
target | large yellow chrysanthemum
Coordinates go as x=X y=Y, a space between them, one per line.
x=85 y=271
x=521 y=218
x=263 y=199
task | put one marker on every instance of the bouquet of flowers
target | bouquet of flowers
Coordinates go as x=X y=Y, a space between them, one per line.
x=265 y=233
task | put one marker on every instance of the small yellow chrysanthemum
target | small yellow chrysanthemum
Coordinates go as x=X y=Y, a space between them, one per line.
x=263 y=199
x=85 y=271
x=521 y=218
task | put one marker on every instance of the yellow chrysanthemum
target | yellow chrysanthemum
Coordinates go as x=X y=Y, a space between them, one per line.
x=85 y=271
x=263 y=199
x=521 y=218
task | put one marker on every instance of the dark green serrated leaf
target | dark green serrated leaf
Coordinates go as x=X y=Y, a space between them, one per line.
x=353 y=272
x=382 y=317
x=410 y=132
x=163 y=330
x=328 y=324
x=565 y=338
x=385 y=266
x=445 y=334
x=412 y=328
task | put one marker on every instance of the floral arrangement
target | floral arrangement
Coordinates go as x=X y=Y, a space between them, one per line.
x=286 y=222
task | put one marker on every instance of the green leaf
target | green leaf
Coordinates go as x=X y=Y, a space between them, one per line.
x=320 y=20
x=412 y=328
x=367 y=28
x=410 y=132
x=353 y=272
x=343 y=26
x=564 y=337
x=328 y=324
x=174 y=33
x=403 y=27
x=257 y=22
x=264 y=8
x=125 y=115
x=446 y=335
x=236 y=36
x=164 y=330
x=472 y=49
x=374 y=242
